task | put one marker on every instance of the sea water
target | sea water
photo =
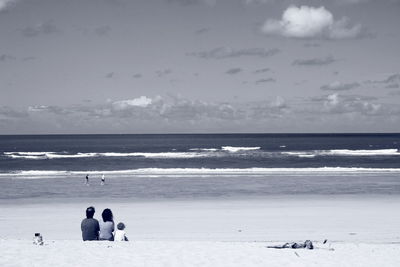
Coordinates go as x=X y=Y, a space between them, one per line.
x=198 y=165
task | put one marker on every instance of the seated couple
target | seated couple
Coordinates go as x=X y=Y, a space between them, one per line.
x=93 y=230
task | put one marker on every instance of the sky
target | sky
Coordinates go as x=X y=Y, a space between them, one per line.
x=199 y=66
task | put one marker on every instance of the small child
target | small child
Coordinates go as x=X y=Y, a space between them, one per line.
x=120 y=234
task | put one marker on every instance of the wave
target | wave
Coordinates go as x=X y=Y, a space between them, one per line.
x=225 y=151
x=198 y=172
x=62 y=155
x=193 y=153
x=344 y=152
x=375 y=152
x=238 y=148
x=204 y=149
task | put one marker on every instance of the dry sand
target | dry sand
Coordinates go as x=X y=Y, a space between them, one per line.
x=363 y=231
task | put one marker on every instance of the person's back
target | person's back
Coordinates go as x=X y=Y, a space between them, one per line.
x=107 y=225
x=90 y=226
x=106 y=230
x=90 y=229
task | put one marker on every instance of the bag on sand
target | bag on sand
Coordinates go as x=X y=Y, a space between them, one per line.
x=38 y=239
x=307 y=244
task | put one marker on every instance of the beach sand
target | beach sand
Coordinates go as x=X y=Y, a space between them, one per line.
x=362 y=231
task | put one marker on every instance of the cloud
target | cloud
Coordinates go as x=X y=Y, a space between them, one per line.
x=202 y=30
x=163 y=72
x=314 y=61
x=5 y=57
x=233 y=71
x=262 y=70
x=390 y=79
x=142 y=101
x=168 y=109
x=392 y=86
x=356 y=104
x=181 y=109
x=178 y=109
x=178 y=114
x=28 y=58
x=8 y=112
x=311 y=22
x=269 y=80
x=261 y=110
x=46 y=28
x=110 y=75
x=5 y=4
x=49 y=109
x=227 y=52
x=339 y=86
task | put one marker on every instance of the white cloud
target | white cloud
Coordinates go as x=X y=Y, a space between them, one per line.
x=279 y=102
x=49 y=109
x=4 y=4
x=309 y=22
x=142 y=101
x=335 y=103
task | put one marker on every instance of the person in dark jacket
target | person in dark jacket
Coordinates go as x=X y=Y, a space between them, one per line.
x=90 y=226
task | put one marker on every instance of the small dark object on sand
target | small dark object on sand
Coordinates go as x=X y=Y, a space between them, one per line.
x=38 y=239
x=307 y=244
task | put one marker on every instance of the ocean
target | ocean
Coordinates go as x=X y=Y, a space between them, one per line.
x=198 y=165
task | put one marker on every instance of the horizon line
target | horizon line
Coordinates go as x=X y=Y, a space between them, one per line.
x=218 y=133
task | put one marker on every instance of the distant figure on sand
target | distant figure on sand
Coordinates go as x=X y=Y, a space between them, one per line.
x=120 y=234
x=107 y=226
x=103 y=180
x=90 y=226
x=87 y=179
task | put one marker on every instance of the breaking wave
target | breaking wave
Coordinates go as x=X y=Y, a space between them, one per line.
x=236 y=149
x=344 y=152
x=224 y=151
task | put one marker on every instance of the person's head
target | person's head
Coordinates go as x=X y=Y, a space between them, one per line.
x=121 y=226
x=107 y=215
x=90 y=212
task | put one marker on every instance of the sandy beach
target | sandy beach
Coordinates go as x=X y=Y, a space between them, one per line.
x=192 y=253
x=361 y=231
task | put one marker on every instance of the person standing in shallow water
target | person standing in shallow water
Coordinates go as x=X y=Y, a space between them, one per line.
x=107 y=226
x=90 y=226
x=87 y=179
x=103 y=180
